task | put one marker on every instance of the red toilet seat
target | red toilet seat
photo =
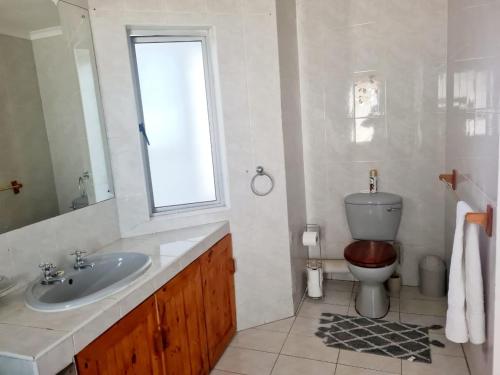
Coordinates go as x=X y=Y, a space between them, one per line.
x=370 y=254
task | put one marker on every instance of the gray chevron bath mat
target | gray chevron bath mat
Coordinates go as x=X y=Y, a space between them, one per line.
x=377 y=336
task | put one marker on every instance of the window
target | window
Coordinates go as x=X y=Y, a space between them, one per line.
x=176 y=98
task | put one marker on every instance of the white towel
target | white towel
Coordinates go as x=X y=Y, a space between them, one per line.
x=456 y=324
x=465 y=285
x=474 y=296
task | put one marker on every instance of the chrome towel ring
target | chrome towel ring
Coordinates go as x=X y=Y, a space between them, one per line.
x=261 y=173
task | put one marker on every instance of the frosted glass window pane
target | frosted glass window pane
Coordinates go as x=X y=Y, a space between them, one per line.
x=174 y=103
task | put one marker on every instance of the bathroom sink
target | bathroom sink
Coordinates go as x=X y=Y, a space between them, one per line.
x=111 y=273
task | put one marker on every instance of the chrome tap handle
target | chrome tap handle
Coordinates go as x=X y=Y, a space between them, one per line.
x=80 y=262
x=79 y=255
x=50 y=274
x=47 y=266
x=47 y=269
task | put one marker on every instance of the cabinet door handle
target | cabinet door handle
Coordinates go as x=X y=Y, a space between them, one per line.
x=232 y=265
x=164 y=338
x=157 y=342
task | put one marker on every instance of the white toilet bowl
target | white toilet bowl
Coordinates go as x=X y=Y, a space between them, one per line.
x=372 y=299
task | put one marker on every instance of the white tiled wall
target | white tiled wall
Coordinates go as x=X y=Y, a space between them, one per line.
x=292 y=138
x=246 y=45
x=402 y=43
x=472 y=142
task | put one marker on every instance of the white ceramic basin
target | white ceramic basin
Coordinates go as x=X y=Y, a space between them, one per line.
x=111 y=273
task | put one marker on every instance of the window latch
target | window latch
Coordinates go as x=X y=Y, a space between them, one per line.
x=142 y=129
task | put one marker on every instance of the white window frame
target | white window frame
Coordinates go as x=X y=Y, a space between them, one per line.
x=154 y=35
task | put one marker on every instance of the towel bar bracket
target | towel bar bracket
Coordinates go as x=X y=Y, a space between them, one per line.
x=485 y=219
x=15 y=186
x=450 y=179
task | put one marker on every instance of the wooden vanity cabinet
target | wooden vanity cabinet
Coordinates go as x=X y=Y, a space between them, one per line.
x=182 y=323
x=182 y=329
x=218 y=268
x=131 y=346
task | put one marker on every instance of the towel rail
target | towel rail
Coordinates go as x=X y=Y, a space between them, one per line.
x=450 y=179
x=485 y=219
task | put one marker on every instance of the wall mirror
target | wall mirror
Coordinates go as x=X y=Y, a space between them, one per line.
x=53 y=146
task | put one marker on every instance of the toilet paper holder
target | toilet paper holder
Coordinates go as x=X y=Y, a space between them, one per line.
x=314 y=267
x=315 y=228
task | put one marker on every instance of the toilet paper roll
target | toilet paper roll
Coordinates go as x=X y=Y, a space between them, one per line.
x=310 y=238
x=315 y=282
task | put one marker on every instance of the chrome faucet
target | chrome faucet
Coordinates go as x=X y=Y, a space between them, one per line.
x=80 y=262
x=51 y=275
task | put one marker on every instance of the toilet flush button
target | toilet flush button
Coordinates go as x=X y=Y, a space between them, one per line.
x=391 y=209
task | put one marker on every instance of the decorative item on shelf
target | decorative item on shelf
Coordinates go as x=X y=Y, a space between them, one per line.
x=83 y=199
x=15 y=186
x=373 y=180
x=485 y=219
x=450 y=179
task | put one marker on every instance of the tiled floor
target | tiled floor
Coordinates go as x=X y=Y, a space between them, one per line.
x=289 y=346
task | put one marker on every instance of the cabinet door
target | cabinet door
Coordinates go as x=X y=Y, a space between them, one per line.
x=131 y=346
x=217 y=269
x=182 y=322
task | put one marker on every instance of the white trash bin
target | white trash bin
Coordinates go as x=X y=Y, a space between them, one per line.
x=432 y=273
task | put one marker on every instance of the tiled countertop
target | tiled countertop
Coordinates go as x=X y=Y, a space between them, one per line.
x=45 y=342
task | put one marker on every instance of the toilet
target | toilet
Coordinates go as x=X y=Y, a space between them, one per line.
x=373 y=220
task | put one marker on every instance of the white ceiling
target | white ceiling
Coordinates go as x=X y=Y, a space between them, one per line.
x=20 y=17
